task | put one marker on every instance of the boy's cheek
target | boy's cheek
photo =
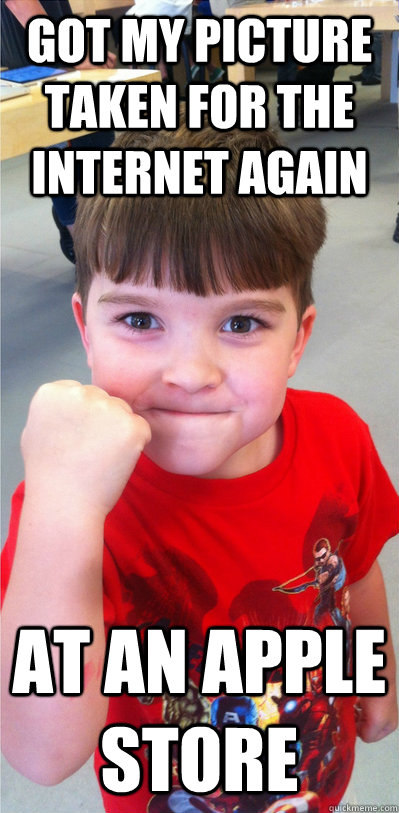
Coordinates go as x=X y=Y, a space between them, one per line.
x=117 y=383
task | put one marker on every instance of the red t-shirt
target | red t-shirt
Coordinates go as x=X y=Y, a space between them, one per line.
x=182 y=551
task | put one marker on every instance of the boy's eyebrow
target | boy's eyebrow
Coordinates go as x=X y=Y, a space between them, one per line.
x=273 y=305
x=128 y=299
x=265 y=304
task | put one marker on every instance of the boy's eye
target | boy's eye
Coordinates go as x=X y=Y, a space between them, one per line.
x=241 y=324
x=141 y=321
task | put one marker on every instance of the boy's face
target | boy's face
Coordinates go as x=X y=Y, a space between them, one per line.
x=209 y=374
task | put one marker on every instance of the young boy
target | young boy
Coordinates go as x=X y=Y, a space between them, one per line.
x=188 y=487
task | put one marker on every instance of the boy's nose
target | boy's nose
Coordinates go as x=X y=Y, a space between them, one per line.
x=192 y=371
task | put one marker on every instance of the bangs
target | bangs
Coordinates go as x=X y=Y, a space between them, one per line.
x=200 y=244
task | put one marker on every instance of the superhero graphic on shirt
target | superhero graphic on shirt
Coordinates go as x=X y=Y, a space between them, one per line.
x=179 y=801
x=320 y=750
x=315 y=715
x=174 y=588
x=329 y=577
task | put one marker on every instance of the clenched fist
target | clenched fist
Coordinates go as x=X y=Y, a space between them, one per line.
x=80 y=445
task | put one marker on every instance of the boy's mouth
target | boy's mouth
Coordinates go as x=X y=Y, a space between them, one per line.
x=190 y=412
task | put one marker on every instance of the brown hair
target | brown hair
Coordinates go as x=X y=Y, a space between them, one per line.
x=206 y=243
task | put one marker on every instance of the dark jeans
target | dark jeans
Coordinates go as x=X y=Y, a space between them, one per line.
x=316 y=73
x=373 y=69
x=65 y=205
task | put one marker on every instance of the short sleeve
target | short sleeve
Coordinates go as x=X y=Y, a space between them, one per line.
x=378 y=510
x=7 y=555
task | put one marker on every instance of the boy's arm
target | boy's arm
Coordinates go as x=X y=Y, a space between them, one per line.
x=378 y=716
x=80 y=446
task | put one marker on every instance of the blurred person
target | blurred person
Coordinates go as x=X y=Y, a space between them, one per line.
x=14 y=18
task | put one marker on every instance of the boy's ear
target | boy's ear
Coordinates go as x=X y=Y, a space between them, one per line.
x=78 y=313
x=302 y=338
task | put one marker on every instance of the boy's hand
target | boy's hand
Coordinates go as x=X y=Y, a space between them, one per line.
x=376 y=717
x=80 y=445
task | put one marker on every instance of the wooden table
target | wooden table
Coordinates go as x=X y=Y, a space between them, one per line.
x=24 y=122
x=88 y=7
x=382 y=11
